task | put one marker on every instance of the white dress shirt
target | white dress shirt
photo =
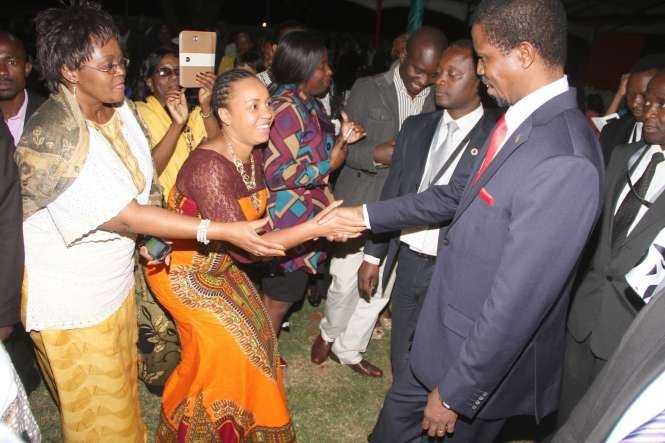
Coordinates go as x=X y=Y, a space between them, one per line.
x=519 y=112
x=636 y=133
x=423 y=239
x=643 y=157
x=17 y=122
x=645 y=407
x=407 y=105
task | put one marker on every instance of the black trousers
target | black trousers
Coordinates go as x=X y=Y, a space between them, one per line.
x=402 y=414
x=412 y=279
x=581 y=367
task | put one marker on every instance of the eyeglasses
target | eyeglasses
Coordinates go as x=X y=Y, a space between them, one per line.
x=111 y=68
x=165 y=71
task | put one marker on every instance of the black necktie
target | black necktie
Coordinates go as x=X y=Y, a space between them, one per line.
x=631 y=204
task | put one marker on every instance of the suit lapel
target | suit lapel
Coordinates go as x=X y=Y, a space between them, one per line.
x=388 y=96
x=423 y=145
x=517 y=139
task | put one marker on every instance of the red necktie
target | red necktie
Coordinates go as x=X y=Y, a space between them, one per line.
x=498 y=134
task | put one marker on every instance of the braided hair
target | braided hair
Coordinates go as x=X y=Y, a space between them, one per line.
x=221 y=90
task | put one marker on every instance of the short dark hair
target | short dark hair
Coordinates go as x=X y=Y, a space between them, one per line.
x=65 y=37
x=542 y=23
x=463 y=43
x=17 y=41
x=298 y=55
x=648 y=63
x=249 y=58
x=221 y=90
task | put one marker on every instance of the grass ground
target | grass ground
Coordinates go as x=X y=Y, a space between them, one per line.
x=329 y=403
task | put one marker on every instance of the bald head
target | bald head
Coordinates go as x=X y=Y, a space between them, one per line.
x=423 y=51
x=427 y=37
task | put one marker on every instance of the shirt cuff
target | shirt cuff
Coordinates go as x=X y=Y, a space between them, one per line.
x=371 y=259
x=366 y=218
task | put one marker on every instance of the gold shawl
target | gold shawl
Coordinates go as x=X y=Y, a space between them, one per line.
x=53 y=149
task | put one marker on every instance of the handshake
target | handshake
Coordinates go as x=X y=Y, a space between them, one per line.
x=340 y=224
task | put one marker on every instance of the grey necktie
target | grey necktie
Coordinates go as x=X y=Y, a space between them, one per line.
x=439 y=155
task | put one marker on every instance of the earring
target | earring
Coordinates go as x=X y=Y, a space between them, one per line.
x=74 y=89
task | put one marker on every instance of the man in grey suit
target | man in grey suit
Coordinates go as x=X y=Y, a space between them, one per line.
x=429 y=148
x=381 y=104
x=626 y=387
x=489 y=341
x=603 y=305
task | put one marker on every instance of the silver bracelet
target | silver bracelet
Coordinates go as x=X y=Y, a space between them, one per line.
x=202 y=232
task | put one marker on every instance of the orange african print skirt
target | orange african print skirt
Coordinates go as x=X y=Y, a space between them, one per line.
x=228 y=386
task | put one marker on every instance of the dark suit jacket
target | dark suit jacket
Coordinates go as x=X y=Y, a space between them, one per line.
x=491 y=331
x=638 y=360
x=373 y=103
x=11 y=231
x=615 y=133
x=411 y=150
x=602 y=305
x=34 y=102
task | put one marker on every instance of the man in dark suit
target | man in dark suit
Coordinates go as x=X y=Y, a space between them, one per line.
x=380 y=103
x=628 y=127
x=423 y=157
x=489 y=341
x=16 y=103
x=11 y=236
x=603 y=305
x=626 y=387
x=16 y=106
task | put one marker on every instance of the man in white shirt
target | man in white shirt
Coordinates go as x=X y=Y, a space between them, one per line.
x=604 y=305
x=627 y=128
x=16 y=104
x=427 y=152
x=381 y=103
x=489 y=340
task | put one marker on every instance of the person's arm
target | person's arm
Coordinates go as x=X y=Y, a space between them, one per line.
x=11 y=235
x=615 y=105
x=207 y=81
x=552 y=214
x=163 y=150
x=361 y=153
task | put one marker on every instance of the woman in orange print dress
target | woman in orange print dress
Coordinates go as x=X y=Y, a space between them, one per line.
x=228 y=386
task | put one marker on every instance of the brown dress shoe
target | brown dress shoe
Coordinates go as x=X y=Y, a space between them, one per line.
x=367 y=369
x=320 y=350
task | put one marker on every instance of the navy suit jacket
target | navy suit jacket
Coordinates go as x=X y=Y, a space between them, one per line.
x=491 y=331
x=406 y=171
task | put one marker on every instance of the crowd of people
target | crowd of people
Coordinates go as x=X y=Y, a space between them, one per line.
x=157 y=234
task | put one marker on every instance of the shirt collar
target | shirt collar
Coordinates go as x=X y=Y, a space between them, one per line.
x=20 y=115
x=520 y=111
x=401 y=89
x=466 y=122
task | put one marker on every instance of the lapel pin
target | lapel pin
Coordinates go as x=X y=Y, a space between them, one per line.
x=474 y=151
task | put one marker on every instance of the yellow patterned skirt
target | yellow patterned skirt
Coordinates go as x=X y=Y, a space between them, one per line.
x=92 y=374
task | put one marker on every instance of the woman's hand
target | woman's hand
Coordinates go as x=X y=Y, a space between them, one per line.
x=176 y=103
x=244 y=235
x=351 y=131
x=206 y=80
x=336 y=228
